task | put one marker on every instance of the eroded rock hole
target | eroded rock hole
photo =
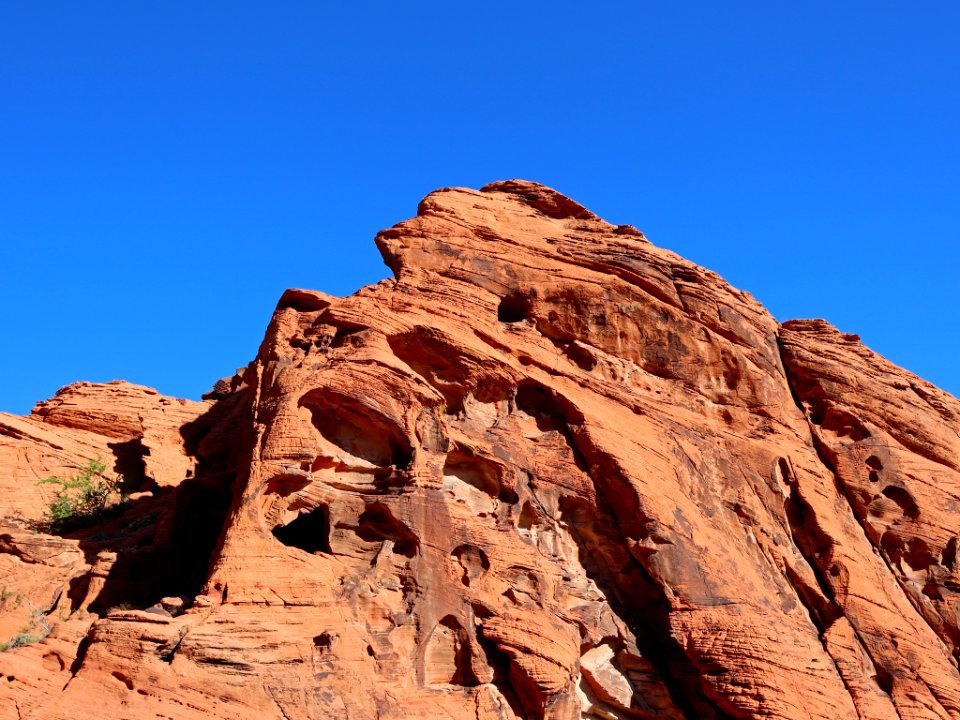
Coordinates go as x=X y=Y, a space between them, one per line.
x=932 y=591
x=918 y=555
x=346 y=336
x=324 y=640
x=378 y=524
x=539 y=403
x=130 y=463
x=529 y=518
x=844 y=424
x=473 y=561
x=309 y=531
x=514 y=308
x=448 y=368
x=478 y=472
x=304 y=301
x=480 y=610
x=903 y=499
x=357 y=431
x=892 y=545
x=580 y=356
x=287 y=483
x=950 y=553
x=123 y=678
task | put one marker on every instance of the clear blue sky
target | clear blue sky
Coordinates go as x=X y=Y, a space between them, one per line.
x=167 y=169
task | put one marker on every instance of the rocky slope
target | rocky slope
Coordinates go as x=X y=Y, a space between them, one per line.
x=547 y=471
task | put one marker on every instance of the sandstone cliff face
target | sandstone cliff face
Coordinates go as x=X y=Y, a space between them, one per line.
x=547 y=471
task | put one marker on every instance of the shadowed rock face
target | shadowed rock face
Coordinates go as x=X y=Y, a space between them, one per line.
x=547 y=471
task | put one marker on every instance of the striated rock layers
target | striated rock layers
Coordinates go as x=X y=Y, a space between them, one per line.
x=547 y=471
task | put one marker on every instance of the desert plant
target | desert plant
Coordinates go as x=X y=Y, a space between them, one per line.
x=80 y=499
x=38 y=621
x=21 y=639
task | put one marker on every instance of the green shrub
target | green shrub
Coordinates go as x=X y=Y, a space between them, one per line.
x=21 y=639
x=26 y=636
x=81 y=499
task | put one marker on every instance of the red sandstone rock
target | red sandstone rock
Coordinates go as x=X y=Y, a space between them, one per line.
x=548 y=471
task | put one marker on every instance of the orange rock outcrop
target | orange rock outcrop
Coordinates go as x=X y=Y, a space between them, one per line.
x=548 y=470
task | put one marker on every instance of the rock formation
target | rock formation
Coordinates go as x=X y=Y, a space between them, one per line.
x=547 y=471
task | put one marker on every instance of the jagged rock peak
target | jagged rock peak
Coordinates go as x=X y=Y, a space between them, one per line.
x=530 y=217
x=540 y=197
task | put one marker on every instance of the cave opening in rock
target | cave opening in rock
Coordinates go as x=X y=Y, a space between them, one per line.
x=357 y=430
x=514 y=308
x=309 y=531
x=378 y=524
x=539 y=403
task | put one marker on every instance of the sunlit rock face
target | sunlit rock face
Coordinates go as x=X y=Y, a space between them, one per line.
x=547 y=471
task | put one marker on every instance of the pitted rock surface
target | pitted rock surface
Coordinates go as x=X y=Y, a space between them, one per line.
x=548 y=470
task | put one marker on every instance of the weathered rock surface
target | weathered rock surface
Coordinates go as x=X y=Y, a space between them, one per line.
x=547 y=471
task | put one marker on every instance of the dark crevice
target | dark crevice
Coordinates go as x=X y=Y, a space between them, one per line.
x=503 y=677
x=164 y=544
x=950 y=553
x=814 y=546
x=81 y=653
x=343 y=336
x=601 y=534
x=166 y=655
x=309 y=531
x=636 y=597
x=883 y=679
x=129 y=463
x=883 y=675
x=463 y=673
x=514 y=308
x=551 y=412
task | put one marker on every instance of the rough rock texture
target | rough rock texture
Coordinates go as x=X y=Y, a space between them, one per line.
x=547 y=471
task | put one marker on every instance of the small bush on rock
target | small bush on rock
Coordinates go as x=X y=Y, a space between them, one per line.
x=28 y=635
x=81 y=499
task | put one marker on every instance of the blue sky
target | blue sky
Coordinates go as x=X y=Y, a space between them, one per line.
x=167 y=169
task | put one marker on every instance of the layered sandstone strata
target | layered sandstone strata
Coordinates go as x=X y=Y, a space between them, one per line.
x=548 y=470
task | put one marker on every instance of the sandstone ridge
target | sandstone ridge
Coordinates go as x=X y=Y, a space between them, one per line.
x=549 y=470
